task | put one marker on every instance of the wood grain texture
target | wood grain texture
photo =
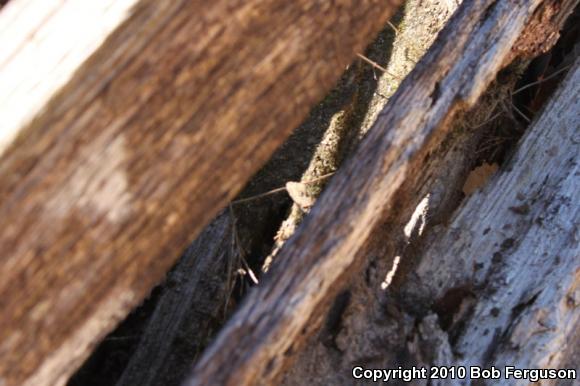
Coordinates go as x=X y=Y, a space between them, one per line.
x=517 y=242
x=194 y=298
x=540 y=316
x=157 y=130
x=275 y=319
x=43 y=43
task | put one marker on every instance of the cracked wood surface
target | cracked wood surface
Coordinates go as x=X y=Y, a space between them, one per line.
x=104 y=182
x=275 y=319
x=516 y=244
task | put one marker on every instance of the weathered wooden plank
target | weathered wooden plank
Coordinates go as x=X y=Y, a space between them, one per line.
x=274 y=320
x=104 y=187
x=516 y=245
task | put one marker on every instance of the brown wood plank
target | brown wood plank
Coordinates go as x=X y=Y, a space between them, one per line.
x=159 y=128
x=277 y=317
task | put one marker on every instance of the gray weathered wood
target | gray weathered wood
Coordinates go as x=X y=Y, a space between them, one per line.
x=277 y=317
x=516 y=244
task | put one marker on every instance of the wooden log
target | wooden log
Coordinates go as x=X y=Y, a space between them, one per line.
x=515 y=245
x=103 y=185
x=275 y=320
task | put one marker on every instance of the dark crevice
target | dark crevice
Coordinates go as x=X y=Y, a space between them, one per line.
x=435 y=94
x=449 y=304
x=519 y=308
x=333 y=320
x=106 y=363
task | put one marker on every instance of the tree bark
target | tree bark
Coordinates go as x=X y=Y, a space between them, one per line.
x=278 y=316
x=108 y=179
